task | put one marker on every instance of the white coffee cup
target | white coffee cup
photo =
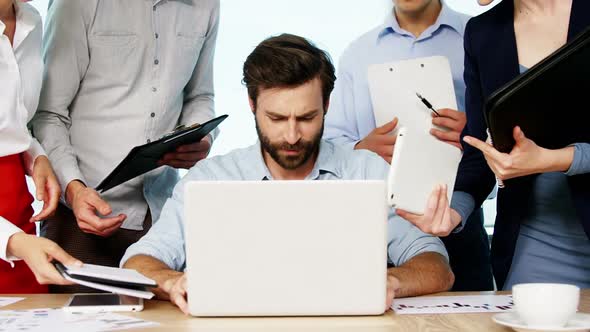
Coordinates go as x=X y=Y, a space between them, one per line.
x=545 y=305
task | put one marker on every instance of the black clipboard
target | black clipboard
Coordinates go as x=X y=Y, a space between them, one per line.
x=144 y=158
x=548 y=101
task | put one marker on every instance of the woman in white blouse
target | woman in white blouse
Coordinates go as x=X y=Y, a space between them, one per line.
x=21 y=69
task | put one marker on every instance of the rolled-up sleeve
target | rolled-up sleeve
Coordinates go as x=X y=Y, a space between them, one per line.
x=165 y=240
x=464 y=204
x=581 y=162
x=405 y=241
x=199 y=105
x=29 y=157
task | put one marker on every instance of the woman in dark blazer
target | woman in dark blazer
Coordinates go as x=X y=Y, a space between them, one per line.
x=542 y=227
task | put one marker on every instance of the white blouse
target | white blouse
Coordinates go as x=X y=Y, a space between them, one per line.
x=21 y=71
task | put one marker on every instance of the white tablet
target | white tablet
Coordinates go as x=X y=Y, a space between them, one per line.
x=393 y=87
x=419 y=163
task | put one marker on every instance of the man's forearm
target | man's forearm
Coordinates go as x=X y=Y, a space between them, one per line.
x=426 y=273
x=156 y=270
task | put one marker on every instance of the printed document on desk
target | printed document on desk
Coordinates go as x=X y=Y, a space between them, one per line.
x=453 y=304
x=51 y=319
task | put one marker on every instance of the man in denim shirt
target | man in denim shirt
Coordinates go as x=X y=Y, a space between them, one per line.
x=289 y=84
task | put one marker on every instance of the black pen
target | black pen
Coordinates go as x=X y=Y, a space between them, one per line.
x=427 y=103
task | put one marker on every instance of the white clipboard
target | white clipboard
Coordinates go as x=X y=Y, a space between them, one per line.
x=393 y=87
x=419 y=163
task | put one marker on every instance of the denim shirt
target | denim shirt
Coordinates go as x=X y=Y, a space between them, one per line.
x=165 y=240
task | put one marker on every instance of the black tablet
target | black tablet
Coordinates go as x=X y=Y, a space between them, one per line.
x=548 y=101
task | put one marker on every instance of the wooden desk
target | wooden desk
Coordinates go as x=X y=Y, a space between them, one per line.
x=173 y=320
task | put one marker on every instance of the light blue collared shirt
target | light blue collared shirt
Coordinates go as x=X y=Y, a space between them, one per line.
x=165 y=240
x=351 y=117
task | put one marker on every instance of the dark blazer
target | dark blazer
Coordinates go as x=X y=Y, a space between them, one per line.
x=491 y=60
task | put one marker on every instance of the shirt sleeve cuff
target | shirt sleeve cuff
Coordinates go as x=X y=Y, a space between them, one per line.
x=345 y=141
x=213 y=134
x=7 y=229
x=581 y=162
x=424 y=244
x=66 y=173
x=146 y=249
x=464 y=204
x=433 y=244
x=34 y=151
x=351 y=145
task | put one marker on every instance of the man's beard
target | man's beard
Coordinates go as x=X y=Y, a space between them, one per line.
x=307 y=149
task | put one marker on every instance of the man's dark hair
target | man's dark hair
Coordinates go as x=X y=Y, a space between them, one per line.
x=287 y=61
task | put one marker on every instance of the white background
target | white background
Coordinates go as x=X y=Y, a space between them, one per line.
x=331 y=24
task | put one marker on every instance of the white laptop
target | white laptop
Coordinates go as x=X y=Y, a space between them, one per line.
x=286 y=248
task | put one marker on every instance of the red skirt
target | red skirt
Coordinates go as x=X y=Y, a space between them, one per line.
x=15 y=206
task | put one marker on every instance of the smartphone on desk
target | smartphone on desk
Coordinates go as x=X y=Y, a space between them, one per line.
x=92 y=303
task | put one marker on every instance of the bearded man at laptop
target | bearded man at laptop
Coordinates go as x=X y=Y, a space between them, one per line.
x=289 y=83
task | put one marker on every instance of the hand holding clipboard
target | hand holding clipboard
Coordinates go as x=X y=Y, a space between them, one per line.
x=186 y=156
x=147 y=157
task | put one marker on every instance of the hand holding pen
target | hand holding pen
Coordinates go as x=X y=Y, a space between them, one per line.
x=450 y=119
x=427 y=103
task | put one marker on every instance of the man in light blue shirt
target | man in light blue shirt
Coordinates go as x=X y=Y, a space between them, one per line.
x=414 y=29
x=289 y=84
